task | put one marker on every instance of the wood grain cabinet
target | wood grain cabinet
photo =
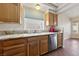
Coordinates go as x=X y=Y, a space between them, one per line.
x=55 y=19
x=43 y=45
x=60 y=40
x=30 y=46
x=33 y=46
x=37 y=45
x=14 y=47
x=0 y=49
x=10 y=12
x=51 y=18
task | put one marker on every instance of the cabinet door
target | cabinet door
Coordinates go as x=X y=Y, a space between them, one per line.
x=60 y=40
x=14 y=47
x=55 y=19
x=0 y=49
x=10 y=12
x=51 y=18
x=43 y=44
x=33 y=46
x=2 y=12
x=13 y=12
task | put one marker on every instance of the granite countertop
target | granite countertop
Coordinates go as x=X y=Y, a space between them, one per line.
x=10 y=36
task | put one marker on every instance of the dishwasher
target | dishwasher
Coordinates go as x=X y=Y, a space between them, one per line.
x=52 y=42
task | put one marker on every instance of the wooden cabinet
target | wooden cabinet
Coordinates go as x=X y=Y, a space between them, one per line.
x=37 y=45
x=43 y=45
x=14 y=47
x=60 y=40
x=33 y=46
x=51 y=18
x=55 y=19
x=0 y=48
x=10 y=12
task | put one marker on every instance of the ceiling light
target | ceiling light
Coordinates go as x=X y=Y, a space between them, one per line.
x=37 y=6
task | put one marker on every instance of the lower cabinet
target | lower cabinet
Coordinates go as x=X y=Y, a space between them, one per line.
x=43 y=46
x=30 y=46
x=0 y=49
x=37 y=45
x=60 y=40
x=33 y=46
x=14 y=47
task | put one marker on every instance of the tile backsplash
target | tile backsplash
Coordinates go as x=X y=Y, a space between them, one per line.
x=30 y=26
x=33 y=24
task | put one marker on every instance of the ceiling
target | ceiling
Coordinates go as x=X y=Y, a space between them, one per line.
x=58 y=5
x=69 y=9
x=44 y=6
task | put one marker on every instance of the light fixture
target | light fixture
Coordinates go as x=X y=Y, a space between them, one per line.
x=37 y=6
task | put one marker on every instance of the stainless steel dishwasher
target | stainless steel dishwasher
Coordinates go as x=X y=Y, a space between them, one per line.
x=52 y=42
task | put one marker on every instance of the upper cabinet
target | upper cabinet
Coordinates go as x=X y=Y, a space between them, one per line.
x=10 y=12
x=51 y=18
x=55 y=19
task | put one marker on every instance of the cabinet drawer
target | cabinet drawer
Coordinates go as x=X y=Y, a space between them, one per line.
x=43 y=37
x=14 y=51
x=12 y=42
x=32 y=39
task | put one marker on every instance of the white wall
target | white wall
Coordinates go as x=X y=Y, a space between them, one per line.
x=64 y=23
x=10 y=26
